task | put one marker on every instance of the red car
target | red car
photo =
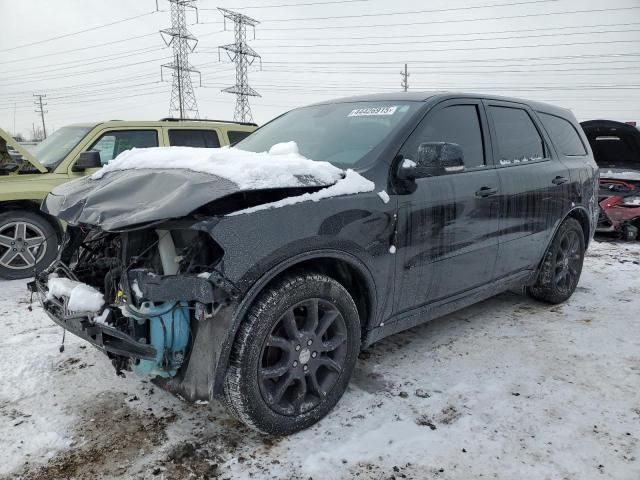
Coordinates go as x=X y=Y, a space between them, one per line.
x=616 y=149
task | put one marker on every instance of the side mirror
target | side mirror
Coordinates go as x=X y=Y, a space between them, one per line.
x=89 y=159
x=434 y=158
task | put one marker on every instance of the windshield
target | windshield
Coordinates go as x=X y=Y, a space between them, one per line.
x=343 y=134
x=53 y=149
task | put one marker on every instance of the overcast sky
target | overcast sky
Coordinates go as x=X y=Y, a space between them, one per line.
x=580 y=54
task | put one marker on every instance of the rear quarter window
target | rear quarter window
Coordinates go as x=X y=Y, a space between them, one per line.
x=563 y=135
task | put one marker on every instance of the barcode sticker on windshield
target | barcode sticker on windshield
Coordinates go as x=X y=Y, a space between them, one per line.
x=371 y=111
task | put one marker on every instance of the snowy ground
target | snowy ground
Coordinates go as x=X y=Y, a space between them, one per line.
x=507 y=389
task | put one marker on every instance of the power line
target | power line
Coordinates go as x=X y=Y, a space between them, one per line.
x=78 y=32
x=450 y=34
x=436 y=22
x=294 y=4
x=73 y=50
x=242 y=55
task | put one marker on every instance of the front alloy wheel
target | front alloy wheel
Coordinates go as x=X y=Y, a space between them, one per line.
x=303 y=356
x=293 y=355
x=27 y=241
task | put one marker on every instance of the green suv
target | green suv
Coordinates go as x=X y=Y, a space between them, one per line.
x=28 y=237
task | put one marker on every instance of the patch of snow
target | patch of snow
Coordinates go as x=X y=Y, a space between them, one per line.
x=136 y=289
x=560 y=401
x=352 y=183
x=392 y=249
x=282 y=166
x=408 y=163
x=384 y=196
x=284 y=148
x=102 y=318
x=620 y=175
x=82 y=297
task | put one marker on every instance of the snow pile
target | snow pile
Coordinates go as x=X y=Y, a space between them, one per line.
x=282 y=166
x=82 y=297
x=384 y=196
x=352 y=183
x=620 y=175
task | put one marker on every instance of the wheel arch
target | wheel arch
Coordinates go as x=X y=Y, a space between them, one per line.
x=32 y=206
x=347 y=269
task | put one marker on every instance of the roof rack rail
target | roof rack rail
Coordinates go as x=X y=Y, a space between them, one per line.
x=171 y=119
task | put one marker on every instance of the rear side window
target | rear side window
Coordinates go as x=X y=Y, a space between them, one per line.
x=235 y=136
x=517 y=139
x=459 y=124
x=563 y=134
x=113 y=143
x=193 y=138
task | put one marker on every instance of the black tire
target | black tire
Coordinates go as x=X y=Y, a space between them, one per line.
x=315 y=384
x=17 y=254
x=560 y=270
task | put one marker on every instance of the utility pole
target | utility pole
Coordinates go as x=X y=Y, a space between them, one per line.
x=183 y=99
x=40 y=109
x=405 y=79
x=242 y=55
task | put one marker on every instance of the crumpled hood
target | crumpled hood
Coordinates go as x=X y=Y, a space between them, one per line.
x=124 y=198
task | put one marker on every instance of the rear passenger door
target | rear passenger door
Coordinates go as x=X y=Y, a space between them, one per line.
x=447 y=227
x=198 y=138
x=533 y=186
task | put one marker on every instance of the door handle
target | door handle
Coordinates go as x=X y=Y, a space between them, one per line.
x=486 y=192
x=559 y=180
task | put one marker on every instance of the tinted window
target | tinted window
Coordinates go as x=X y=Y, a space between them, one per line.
x=236 y=136
x=458 y=124
x=194 y=138
x=517 y=137
x=563 y=134
x=113 y=143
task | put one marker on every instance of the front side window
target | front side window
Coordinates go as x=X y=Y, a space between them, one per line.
x=458 y=124
x=113 y=143
x=347 y=135
x=563 y=134
x=518 y=140
x=193 y=138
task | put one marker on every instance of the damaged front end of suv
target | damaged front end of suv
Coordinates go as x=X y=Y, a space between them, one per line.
x=138 y=273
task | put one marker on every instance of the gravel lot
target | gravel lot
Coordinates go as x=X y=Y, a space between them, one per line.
x=507 y=389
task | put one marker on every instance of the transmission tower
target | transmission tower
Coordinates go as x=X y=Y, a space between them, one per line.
x=183 y=100
x=405 y=79
x=40 y=109
x=243 y=56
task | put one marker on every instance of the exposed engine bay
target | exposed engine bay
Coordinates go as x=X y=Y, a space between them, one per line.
x=155 y=284
x=619 y=202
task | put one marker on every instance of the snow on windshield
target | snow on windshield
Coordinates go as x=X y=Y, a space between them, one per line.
x=281 y=166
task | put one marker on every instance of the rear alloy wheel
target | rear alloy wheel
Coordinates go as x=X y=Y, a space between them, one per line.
x=562 y=265
x=294 y=354
x=26 y=241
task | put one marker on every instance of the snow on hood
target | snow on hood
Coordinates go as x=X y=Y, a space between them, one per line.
x=153 y=184
x=619 y=174
x=281 y=166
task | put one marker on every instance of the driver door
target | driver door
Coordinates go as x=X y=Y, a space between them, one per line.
x=448 y=227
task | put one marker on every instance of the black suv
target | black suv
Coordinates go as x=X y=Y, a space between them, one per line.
x=263 y=298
